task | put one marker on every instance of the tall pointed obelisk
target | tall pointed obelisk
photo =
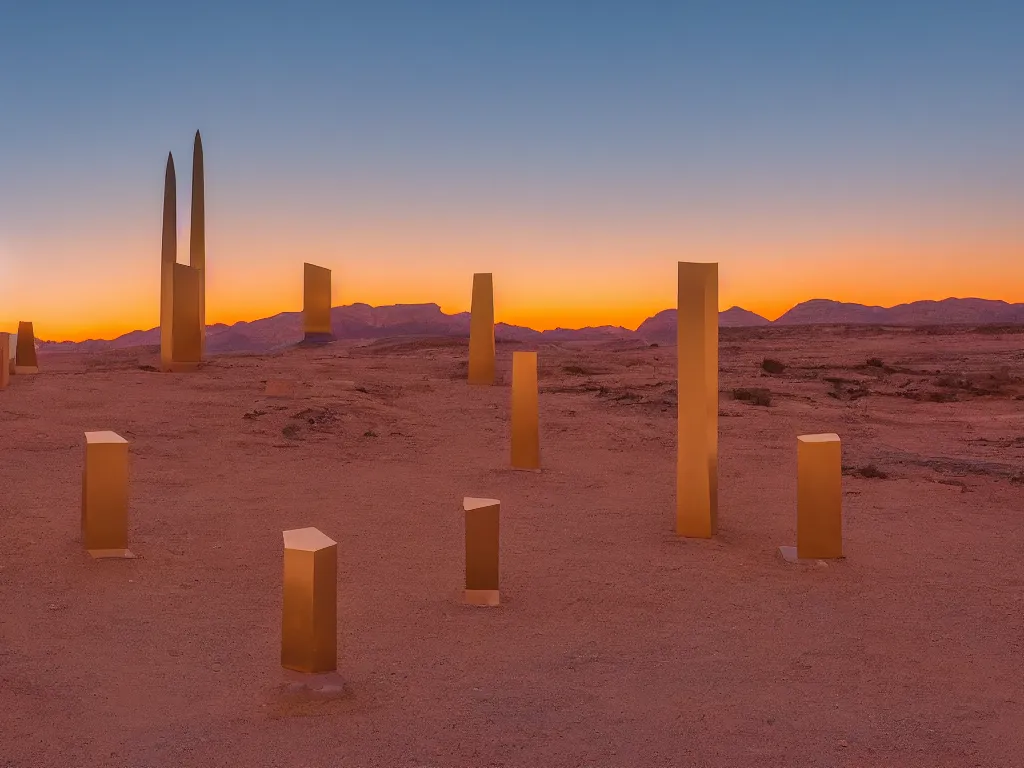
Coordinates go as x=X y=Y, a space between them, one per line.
x=197 y=240
x=168 y=257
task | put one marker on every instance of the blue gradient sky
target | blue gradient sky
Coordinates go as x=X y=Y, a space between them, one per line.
x=864 y=151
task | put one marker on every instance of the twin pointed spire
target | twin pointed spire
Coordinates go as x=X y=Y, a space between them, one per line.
x=183 y=287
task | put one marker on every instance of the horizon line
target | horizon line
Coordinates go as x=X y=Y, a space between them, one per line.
x=557 y=328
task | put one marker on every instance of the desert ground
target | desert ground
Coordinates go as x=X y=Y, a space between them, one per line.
x=617 y=643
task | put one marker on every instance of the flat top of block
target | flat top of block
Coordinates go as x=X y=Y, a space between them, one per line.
x=829 y=437
x=103 y=437
x=307 y=539
x=469 y=503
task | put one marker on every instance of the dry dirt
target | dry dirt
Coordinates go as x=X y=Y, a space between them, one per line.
x=617 y=643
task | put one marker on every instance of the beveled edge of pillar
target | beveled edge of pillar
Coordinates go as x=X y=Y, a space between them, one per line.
x=825 y=437
x=470 y=503
x=307 y=540
x=111 y=554
x=535 y=470
x=487 y=598
x=104 y=437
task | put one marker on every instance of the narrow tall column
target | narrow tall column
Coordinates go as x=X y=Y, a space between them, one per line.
x=316 y=303
x=481 y=550
x=168 y=258
x=197 y=235
x=309 y=622
x=525 y=429
x=819 y=513
x=25 y=360
x=5 y=359
x=697 y=458
x=481 y=330
x=105 y=495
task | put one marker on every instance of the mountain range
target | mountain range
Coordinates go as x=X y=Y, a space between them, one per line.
x=361 y=321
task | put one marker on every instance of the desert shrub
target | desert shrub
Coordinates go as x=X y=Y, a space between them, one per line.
x=754 y=396
x=655 y=345
x=577 y=370
x=769 y=365
x=868 y=471
x=875 y=362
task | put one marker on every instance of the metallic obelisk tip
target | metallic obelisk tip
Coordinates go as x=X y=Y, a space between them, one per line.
x=168 y=258
x=197 y=238
x=170 y=235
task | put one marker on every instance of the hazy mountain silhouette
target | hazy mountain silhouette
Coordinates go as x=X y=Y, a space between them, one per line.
x=361 y=321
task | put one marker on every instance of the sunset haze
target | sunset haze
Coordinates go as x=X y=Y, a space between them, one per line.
x=576 y=150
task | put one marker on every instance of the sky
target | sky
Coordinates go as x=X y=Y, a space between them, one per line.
x=859 y=150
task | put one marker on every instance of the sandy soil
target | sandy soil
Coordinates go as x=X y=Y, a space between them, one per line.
x=617 y=643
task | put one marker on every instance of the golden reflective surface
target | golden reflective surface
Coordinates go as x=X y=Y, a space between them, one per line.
x=183 y=286
x=819 y=515
x=481 y=543
x=25 y=353
x=105 y=492
x=481 y=330
x=525 y=428
x=309 y=616
x=316 y=299
x=697 y=457
x=5 y=359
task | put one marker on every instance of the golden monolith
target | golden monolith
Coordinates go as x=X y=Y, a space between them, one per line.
x=316 y=303
x=819 y=499
x=25 y=360
x=697 y=458
x=5 y=358
x=197 y=235
x=309 y=622
x=525 y=429
x=481 y=330
x=481 y=550
x=105 y=495
x=183 y=286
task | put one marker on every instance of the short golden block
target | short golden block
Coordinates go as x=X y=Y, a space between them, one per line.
x=819 y=528
x=309 y=622
x=105 y=495
x=482 y=536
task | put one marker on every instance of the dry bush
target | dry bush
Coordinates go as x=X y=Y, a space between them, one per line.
x=770 y=365
x=753 y=395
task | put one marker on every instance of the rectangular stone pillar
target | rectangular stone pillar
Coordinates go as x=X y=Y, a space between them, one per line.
x=105 y=495
x=481 y=550
x=309 y=623
x=316 y=303
x=697 y=457
x=819 y=515
x=481 y=331
x=525 y=428
x=25 y=360
x=186 y=337
x=5 y=358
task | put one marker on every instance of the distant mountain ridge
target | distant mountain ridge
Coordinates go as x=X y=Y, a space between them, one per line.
x=361 y=321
